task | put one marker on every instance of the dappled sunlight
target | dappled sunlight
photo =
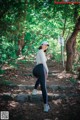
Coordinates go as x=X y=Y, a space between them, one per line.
x=1 y=75
x=31 y=104
x=54 y=74
x=23 y=87
x=50 y=94
x=63 y=74
x=56 y=94
x=79 y=82
x=6 y=67
x=21 y=58
x=20 y=94
x=39 y=92
x=55 y=71
x=57 y=102
x=17 y=90
x=7 y=93
x=16 y=75
x=13 y=104
x=23 y=80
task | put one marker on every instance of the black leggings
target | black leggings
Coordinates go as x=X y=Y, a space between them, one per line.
x=39 y=72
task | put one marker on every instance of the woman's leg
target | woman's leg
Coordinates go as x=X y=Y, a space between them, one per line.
x=37 y=84
x=42 y=80
x=36 y=74
x=41 y=74
x=44 y=90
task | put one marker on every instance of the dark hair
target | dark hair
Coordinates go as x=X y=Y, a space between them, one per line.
x=40 y=47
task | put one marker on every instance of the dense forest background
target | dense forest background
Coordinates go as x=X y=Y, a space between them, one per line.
x=24 y=24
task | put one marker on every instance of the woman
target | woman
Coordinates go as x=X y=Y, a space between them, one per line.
x=40 y=71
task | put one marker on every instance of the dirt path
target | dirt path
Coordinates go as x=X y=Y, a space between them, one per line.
x=63 y=91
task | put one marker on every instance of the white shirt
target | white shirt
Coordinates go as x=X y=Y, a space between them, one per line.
x=41 y=58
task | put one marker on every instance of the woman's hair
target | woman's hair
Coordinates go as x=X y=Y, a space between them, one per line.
x=40 y=47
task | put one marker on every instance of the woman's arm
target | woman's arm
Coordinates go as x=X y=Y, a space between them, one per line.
x=43 y=60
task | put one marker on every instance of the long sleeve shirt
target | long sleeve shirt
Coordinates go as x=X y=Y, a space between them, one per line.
x=41 y=58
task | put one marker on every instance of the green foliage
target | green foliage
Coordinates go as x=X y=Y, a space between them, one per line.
x=55 y=51
x=38 y=20
x=78 y=42
x=7 y=50
x=73 y=81
x=2 y=71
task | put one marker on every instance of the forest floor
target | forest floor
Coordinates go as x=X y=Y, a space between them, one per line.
x=16 y=85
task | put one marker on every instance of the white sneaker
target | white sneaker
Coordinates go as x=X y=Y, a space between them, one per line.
x=34 y=92
x=46 y=108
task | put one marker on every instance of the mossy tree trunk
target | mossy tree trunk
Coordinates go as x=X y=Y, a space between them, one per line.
x=70 y=46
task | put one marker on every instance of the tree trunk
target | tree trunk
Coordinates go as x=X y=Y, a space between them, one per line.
x=74 y=50
x=21 y=44
x=64 y=28
x=78 y=73
x=70 y=45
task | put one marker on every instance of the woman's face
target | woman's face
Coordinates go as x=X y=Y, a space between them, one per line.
x=44 y=47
